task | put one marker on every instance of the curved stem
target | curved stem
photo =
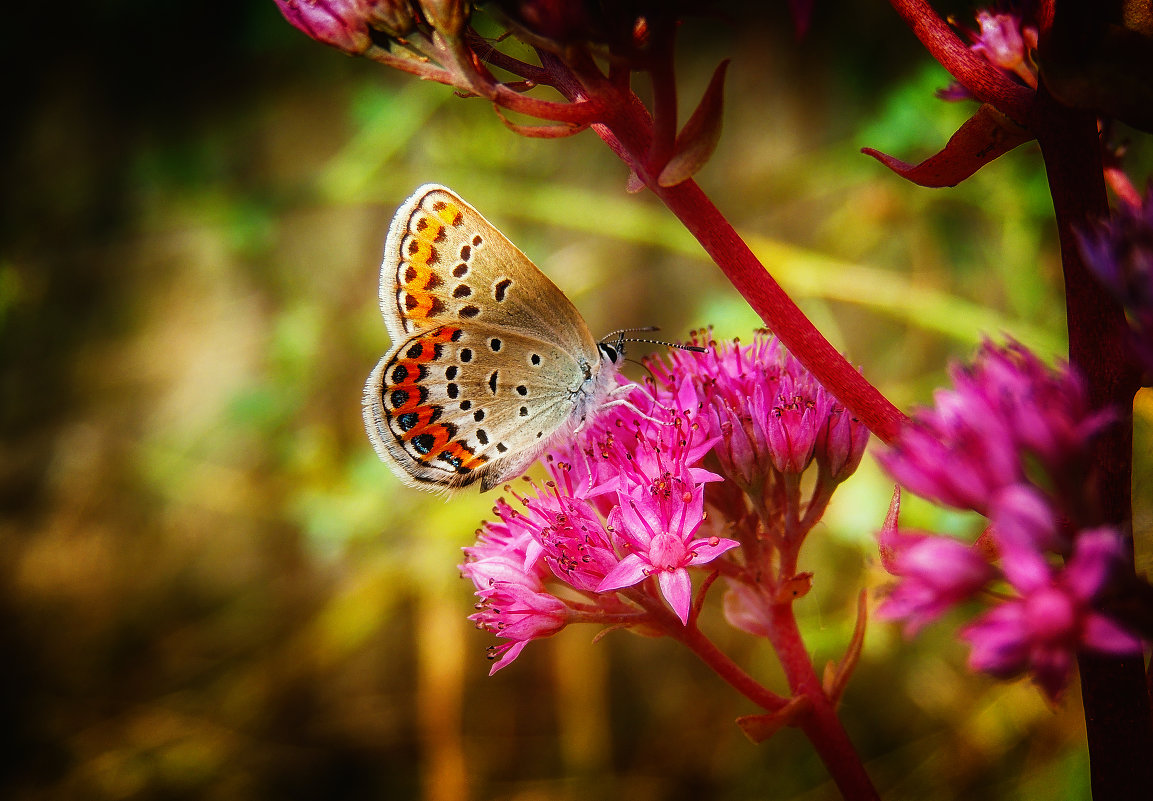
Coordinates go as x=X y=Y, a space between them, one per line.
x=709 y=653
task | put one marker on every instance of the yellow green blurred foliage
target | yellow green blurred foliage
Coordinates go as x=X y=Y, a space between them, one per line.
x=211 y=588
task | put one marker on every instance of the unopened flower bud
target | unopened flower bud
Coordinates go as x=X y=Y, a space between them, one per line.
x=394 y=17
x=1001 y=39
x=448 y=17
x=840 y=445
x=340 y=23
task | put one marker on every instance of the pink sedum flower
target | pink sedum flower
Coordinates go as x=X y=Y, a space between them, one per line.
x=935 y=573
x=1006 y=414
x=1041 y=632
x=345 y=24
x=659 y=538
x=771 y=415
x=624 y=504
x=518 y=613
x=1005 y=41
x=841 y=443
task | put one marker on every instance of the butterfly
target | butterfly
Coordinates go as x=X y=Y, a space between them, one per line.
x=490 y=363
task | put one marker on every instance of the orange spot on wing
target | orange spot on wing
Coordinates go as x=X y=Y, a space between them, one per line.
x=460 y=456
x=449 y=212
x=419 y=278
x=442 y=448
x=418 y=306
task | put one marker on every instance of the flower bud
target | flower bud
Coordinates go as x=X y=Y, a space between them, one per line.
x=841 y=444
x=340 y=23
x=394 y=17
x=448 y=17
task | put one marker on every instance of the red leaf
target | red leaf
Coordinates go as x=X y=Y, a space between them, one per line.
x=698 y=139
x=984 y=136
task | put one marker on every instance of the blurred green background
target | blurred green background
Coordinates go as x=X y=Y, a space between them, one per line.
x=210 y=588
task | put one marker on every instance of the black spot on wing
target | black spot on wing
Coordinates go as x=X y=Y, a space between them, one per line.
x=408 y=420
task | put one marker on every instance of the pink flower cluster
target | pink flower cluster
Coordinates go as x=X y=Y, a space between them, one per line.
x=626 y=501
x=1011 y=440
x=623 y=505
x=1009 y=419
x=772 y=416
x=1007 y=41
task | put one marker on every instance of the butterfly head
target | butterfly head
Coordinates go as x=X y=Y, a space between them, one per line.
x=612 y=353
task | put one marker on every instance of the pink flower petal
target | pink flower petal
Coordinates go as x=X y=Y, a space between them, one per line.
x=631 y=570
x=508 y=654
x=1106 y=635
x=706 y=549
x=677 y=588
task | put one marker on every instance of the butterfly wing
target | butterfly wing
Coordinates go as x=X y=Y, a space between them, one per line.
x=445 y=263
x=456 y=404
x=489 y=358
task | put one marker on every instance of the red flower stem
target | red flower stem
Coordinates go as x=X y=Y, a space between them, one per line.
x=628 y=131
x=664 y=91
x=1118 y=720
x=783 y=317
x=820 y=723
x=708 y=652
x=419 y=66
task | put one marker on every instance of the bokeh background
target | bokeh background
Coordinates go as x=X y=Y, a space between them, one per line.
x=210 y=588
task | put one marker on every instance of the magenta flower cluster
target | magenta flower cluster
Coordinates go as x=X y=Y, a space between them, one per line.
x=1007 y=41
x=612 y=536
x=1012 y=441
x=772 y=417
x=624 y=506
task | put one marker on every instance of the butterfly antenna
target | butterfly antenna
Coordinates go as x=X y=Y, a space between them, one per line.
x=693 y=348
x=621 y=339
x=619 y=333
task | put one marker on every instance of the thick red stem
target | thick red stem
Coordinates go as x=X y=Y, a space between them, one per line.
x=820 y=723
x=783 y=317
x=707 y=651
x=1118 y=721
